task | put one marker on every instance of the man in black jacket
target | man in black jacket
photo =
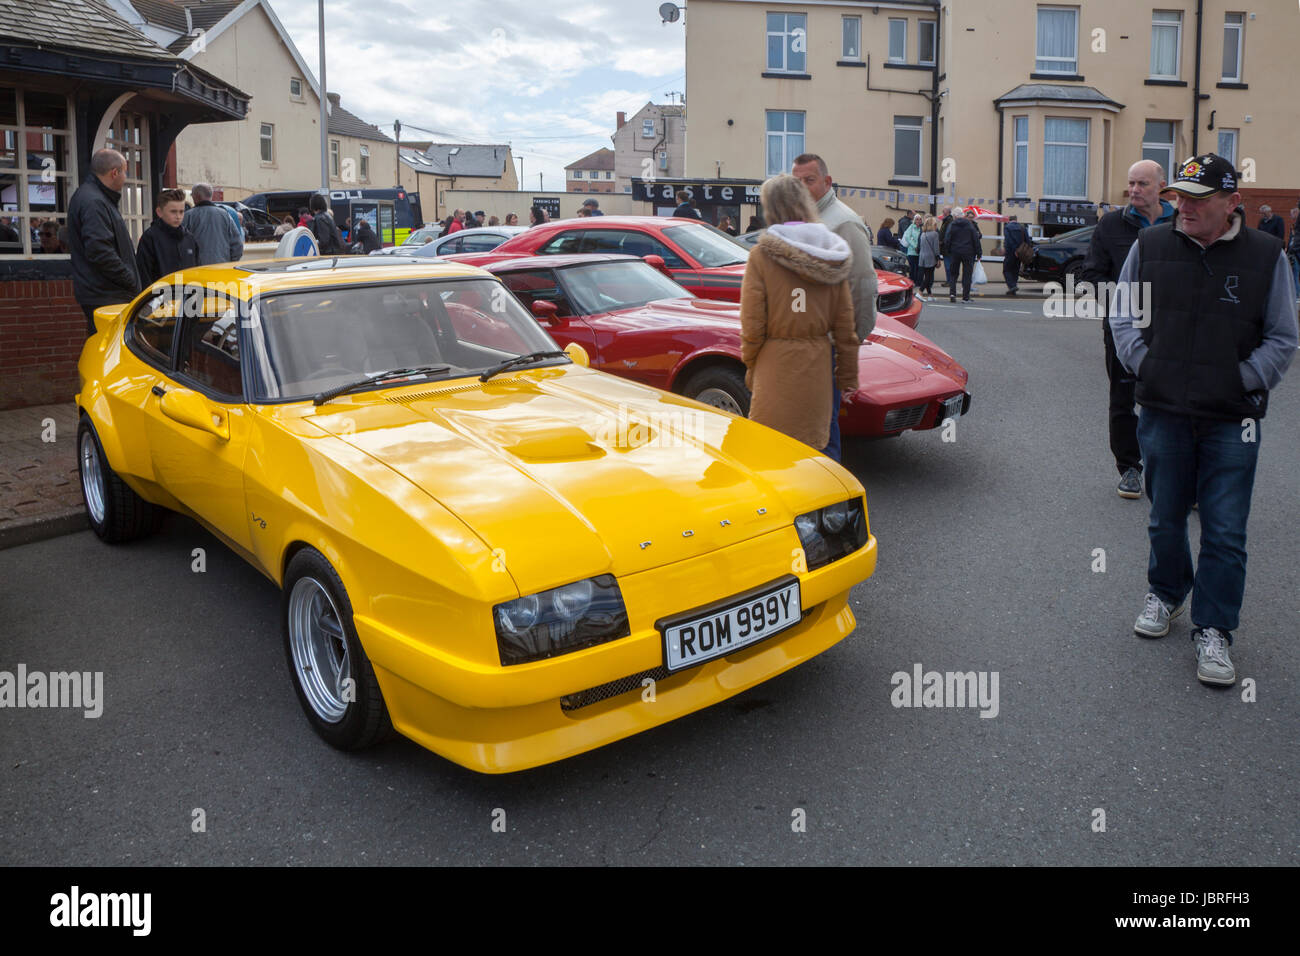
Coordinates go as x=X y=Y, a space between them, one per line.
x=363 y=234
x=1270 y=223
x=685 y=209
x=165 y=247
x=1112 y=238
x=1014 y=236
x=103 y=260
x=329 y=241
x=963 y=239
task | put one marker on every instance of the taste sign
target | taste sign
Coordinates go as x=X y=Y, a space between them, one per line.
x=702 y=192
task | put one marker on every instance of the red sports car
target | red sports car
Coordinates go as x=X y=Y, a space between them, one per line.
x=635 y=322
x=704 y=260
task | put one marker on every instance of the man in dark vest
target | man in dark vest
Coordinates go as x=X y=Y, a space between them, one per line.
x=1215 y=333
x=1112 y=238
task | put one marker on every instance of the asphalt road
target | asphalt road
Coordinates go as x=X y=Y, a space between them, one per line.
x=986 y=564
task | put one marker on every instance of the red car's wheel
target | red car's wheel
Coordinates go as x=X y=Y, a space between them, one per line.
x=720 y=386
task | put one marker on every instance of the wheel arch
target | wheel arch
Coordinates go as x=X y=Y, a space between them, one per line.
x=698 y=361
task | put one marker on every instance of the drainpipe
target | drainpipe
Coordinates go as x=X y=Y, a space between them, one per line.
x=1002 y=158
x=934 y=106
x=1196 y=84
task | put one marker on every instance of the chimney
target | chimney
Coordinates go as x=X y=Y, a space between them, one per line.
x=334 y=100
x=622 y=120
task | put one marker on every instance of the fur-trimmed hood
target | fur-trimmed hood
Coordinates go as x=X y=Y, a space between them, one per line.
x=810 y=250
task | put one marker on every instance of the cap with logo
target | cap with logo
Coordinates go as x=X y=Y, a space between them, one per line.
x=1205 y=175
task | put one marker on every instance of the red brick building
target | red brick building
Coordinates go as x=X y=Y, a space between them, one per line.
x=594 y=173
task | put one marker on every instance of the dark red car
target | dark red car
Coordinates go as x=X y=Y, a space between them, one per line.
x=635 y=322
x=703 y=260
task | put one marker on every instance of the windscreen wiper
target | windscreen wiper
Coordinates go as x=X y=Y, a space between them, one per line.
x=322 y=397
x=521 y=360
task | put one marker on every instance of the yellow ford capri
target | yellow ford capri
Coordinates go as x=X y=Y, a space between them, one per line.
x=481 y=543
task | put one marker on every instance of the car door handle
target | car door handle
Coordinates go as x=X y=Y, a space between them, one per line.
x=159 y=391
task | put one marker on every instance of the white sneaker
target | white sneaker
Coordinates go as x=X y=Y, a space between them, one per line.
x=1155 y=617
x=1213 y=665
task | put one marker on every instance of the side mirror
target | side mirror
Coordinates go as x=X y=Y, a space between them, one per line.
x=578 y=354
x=657 y=262
x=189 y=408
x=105 y=316
x=548 y=312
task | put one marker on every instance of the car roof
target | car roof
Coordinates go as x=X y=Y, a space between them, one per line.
x=499 y=230
x=559 y=262
x=609 y=222
x=270 y=275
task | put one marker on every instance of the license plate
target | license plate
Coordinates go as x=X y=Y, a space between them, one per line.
x=737 y=622
x=952 y=407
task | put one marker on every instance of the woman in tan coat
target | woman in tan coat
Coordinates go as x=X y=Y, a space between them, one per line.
x=794 y=300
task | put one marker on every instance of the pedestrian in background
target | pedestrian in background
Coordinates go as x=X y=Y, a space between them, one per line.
x=594 y=206
x=726 y=226
x=685 y=208
x=911 y=244
x=494 y=221
x=219 y=239
x=165 y=247
x=945 y=220
x=794 y=299
x=285 y=226
x=304 y=217
x=928 y=255
x=329 y=240
x=1014 y=235
x=1293 y=248
x=366 y=236
x=1270 y=223
x=103 y=259
x=886 y=238
x=1217 y=335
x=536 y=216
x=964 y=248
x=1111 y=240
x=49 y=242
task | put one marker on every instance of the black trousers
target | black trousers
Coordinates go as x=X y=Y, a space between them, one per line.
x=90 y=319
x=1011 y=271
x=1123 y=421
x=965 y=265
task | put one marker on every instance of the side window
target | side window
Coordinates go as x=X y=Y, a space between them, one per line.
x=638 y=244
x=529 y=287
x=450 y=247
x=565 y=242
x=210 y=348
x=153 y=329
x=483 y=242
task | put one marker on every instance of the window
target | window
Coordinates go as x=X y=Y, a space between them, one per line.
x=129 y=135
x=334 y=158
x=1166 y=43
x=1065 y=158
x=37 y=182
x=609 y=173
x=1021 y=183
x=152 y=330
x=365 y=164
x=784 y=140
x=925 y=53
x=1058 y=40
x=907 y=147
x=268 y=142
x=1228 y=145
x=787 y=42
x=209 y=350
x=1234 y=25
x=295 y=87
x=577 y=174
x=648 y=129
x=852 y=46
x=663 y=159
x=1158 y=144
x=897 y=41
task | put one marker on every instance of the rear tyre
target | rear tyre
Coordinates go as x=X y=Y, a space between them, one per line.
x=332 y=676
x=720 y=386
x=116 y=513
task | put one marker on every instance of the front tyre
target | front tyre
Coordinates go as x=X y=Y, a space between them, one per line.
x=116 y=513
x=720 y=386
x=332 y=676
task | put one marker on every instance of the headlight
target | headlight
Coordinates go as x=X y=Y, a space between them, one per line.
x=832 y=532
x=561 y=620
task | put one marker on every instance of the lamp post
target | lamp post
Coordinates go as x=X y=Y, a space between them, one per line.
x=324 y=104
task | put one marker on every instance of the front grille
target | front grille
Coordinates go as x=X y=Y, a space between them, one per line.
x=894 y=301
x=624 y=685
x=901 y=418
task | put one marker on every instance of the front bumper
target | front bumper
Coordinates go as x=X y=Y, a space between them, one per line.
x=503 y=719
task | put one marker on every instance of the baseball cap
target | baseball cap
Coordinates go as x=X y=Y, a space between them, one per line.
x=1204 y=175
x=590 y=202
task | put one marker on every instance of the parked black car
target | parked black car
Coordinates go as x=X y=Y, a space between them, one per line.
x=259 y=226
x=1059 y=257
x=886 y=260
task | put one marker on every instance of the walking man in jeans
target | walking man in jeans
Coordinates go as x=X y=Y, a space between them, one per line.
x=1216 y=334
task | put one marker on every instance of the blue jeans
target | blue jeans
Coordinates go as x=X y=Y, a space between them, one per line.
x=1194 y=460
x=832 y=449
x=1295 y=274
x=947 y=271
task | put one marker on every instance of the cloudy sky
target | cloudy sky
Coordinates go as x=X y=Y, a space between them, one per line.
x=545 y=76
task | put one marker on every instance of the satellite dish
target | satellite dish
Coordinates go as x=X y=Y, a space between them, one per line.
x=669 y=12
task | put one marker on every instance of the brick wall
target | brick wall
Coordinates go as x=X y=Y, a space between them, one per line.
x=42 y=330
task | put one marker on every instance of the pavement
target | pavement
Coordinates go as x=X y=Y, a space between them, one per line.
x=40 y=492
